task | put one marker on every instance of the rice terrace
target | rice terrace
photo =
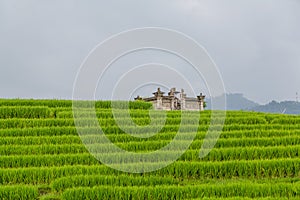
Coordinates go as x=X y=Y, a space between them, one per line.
x=42 y=156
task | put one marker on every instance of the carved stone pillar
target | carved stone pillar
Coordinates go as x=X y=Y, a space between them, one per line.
x=182 y=100
x=159 y=104
x=201 y=101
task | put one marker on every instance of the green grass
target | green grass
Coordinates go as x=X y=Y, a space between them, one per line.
x=43 y=157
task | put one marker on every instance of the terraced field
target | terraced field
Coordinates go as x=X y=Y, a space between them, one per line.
x=42 y=156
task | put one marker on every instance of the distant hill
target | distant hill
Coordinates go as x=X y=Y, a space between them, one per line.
x=234 y=102
x=286 y=107
x=239 y=102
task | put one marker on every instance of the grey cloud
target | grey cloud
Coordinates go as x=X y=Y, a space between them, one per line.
x=256 y=44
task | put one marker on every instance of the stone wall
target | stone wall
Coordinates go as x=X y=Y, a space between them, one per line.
x=192 y=105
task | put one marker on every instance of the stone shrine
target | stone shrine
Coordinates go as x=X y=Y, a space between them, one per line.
x=173 y=101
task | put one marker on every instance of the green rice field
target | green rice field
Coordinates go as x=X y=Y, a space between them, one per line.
x=257 y=155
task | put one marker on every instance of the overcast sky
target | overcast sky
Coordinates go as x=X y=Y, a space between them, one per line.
x=255 y=43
